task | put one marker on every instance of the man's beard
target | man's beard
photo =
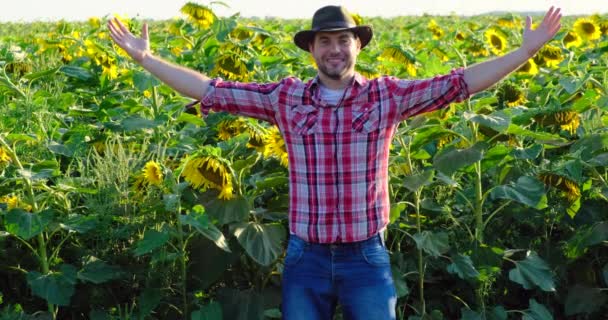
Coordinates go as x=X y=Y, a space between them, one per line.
x=337 y=74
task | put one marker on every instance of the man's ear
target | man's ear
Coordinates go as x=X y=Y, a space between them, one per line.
x=310 y=47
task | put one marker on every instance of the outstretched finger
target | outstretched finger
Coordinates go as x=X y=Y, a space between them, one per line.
x=144 y=32
x=114 y=28
x=122 y=27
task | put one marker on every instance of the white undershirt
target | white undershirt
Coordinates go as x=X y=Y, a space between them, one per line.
x=331 y=96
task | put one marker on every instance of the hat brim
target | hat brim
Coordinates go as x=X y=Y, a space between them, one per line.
x=303 y=38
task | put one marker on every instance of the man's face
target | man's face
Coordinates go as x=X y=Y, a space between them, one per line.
x=335 y=53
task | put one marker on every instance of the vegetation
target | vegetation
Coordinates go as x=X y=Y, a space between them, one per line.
x=117 y=202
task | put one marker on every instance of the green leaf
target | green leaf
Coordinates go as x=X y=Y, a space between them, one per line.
x=452 y=159
x=586 y=237
x=434 y=244
x=600 y=160
x=60 y=149
x=39 y=74
x=529 y=153
x=192 y=119
x=134 y=123
x=97 y=271
x=468 y=314
x=272 y=182
x=527 y=190
x=498 y=121
x=400 y=283
x=79 y=223
x=201 y=223
x=414 y=182
x=229 y=211
x=147 y=301
x=212 y=311
x=152 y=239
x=497 y=313
x=55 y=287
x=77 y=73
x=396 y=209
x=537 y=312
x=463 y=266
x=144 y=81
x=262 y=242
x=571 y=84
x=26 y=225
x=584 y=300
x=532 y=272
x=171 y=202
x=540 y=137
x=273 y=314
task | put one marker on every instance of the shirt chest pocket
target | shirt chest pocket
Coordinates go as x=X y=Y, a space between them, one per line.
x=304 y=119
x=366 y=119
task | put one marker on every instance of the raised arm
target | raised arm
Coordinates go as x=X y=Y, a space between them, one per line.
x=481 y=76
x=183 y=80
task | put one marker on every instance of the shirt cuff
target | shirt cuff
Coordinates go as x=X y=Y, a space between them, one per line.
x=458 y=82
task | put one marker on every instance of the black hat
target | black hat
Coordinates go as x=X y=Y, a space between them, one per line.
x=332 y=18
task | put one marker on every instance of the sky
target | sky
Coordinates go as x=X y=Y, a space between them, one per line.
x=75 y=10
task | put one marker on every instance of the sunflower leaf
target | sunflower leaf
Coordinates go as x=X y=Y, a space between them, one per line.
x=262 y=242
x=201 y=223
x=152 y=239
x=531 y=272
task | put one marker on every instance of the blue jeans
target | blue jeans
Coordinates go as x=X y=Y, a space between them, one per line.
x=357 y=276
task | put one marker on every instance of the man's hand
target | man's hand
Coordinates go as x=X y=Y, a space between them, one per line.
x=535 y=39
x=137 y=48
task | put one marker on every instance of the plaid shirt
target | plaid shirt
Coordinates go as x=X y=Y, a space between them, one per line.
x=338 y=155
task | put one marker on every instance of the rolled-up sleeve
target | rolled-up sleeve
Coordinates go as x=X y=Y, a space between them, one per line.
x=253 y=100
x=415 y=97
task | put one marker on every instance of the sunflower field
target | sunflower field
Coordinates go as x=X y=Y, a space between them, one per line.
x=118 y=200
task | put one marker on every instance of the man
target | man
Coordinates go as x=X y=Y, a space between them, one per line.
x=337 y=129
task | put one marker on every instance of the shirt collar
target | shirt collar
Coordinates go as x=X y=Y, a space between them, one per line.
x=359 y=81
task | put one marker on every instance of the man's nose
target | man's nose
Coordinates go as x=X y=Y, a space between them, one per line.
x=335 y=47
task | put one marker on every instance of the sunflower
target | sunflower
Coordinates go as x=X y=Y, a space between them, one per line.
x=229 y=128
x=529 y=67
x=94 y=22
x=507 y=21
x=200 y=15
x=241 y=33
x=358 y=19
x=566 y=120
x=497 y=41
x=477 y=48
x=549 y=56
x=587 y=29
x=206 y=169
x=460 y=36
x=397 y=54
x=232 y=62
x=442 y=55
x=604 y=27
x=367 y=71
x=153 y=173
x=435 y=29
x=572 y=40
x=510 y=95
x=444 y=140
x=569 y=187
x=5 y=158
x=12 y=202
x=275 y=146
x=257 y=138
